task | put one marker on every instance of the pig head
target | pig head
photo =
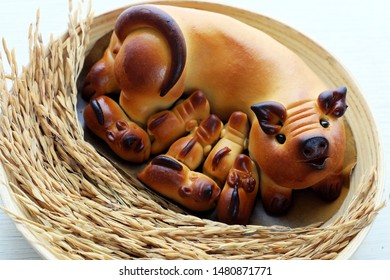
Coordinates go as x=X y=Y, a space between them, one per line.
x=298 y=147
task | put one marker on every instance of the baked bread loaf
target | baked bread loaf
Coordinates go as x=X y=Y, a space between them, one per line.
x=168 y=125
x=193 y=148
x=237 y=199
x=233 y=142
x=104 y=117
x=176 y=181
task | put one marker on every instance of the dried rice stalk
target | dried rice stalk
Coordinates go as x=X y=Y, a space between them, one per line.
x=78 y=206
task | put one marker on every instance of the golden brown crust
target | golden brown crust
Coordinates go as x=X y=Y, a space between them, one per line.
x=105 y=118
x=192 y=149
x=148 y=16
x=100 y=78
x=286 y=162
x=303 y=149
x=246 y=68
x=238 y=196
x=176 y=181
x=245 y=73
x=140 y=67
x=233 y=142
x=168 y=125
x=224 y=73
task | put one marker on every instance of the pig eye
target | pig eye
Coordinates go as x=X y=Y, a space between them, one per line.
x=281 y=138
x=121 y=125
x=115 y=50
x=324 y=123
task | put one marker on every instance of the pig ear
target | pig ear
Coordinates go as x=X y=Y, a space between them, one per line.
x=270 y=115
x=167 y=162
x=333 y=102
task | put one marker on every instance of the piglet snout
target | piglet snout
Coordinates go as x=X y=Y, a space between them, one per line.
x=133 y=142
x=315 y=151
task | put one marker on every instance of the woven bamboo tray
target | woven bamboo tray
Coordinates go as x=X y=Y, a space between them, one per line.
x=71 y=202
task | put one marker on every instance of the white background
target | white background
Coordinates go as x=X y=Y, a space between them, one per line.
x=355 y=32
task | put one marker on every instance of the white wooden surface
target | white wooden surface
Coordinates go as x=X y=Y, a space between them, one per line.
x=356 y=32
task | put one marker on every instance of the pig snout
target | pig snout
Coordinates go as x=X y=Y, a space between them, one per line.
x=315 y=152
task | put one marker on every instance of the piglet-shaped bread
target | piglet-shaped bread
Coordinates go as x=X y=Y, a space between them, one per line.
x=107 y=120
x=174 y=180
x=192 y=149
x=167 y=126
x=232 y=143
x=101 y=79
x=238 y=196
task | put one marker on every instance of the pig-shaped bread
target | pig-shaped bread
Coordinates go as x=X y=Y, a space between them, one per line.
x=101 y=78
x=299 y=146
x=297 y=136
x=174 y=180
x=232 y=143
x=104 y=117
x=192 y=149
x=166 y=126
x=238 y=196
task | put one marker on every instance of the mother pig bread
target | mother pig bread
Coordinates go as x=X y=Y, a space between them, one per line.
x=167 y=50
x=297 y=137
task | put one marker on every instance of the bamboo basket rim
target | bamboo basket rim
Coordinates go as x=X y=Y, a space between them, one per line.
x=25 y=227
